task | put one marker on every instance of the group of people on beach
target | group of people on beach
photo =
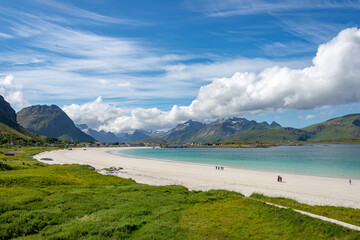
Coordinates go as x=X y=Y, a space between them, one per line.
x=219 y=167
x=279 y=178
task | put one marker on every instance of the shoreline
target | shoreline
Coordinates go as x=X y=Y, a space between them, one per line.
x=313 y=190
x=226 y=166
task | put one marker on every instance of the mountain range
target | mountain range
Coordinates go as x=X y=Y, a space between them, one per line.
x=109 y=137
x=341 y=129
x=51 y=121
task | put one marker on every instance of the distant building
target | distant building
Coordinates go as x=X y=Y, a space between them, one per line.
x=11 y=153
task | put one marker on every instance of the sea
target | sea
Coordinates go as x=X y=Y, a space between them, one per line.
x=333 y=160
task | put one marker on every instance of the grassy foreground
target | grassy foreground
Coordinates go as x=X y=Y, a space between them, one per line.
x=75 y=202
x=348 y=215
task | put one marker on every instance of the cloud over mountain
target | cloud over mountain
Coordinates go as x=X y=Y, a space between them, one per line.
x=333 y=79
x=12 y=91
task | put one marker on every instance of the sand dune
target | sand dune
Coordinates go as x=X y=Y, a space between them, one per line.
x=306 y=189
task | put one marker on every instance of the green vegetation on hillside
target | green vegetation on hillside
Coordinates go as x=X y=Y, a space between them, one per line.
x=346 y=128
x=271 y=134
x=38 y=201
x=11 y=132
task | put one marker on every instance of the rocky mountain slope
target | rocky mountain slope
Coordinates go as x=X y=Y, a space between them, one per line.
x=10 y=130
x=345 y=129
x=183 y=132
x=192 y=131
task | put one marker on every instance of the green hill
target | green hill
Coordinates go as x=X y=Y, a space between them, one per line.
x=18 y=135
x=10 y=130
x=346 y=128
x=271 y=134
x=51 y=121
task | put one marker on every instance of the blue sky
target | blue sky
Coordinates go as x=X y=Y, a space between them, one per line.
x=146 y=61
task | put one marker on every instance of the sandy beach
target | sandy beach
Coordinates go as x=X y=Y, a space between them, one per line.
x=306 y=189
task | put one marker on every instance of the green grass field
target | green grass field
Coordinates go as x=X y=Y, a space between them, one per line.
x=348 y=215
x=74 y=202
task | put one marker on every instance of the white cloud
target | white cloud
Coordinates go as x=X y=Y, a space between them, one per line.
x=93 y=113
x=87 y=15
x=124 y=84
x=103 y=116
x=293 y=16
x=226 y=8
x=333 y=79
x=103 y=81
x=309 y=29
x=4 y=35
x=57 y=60
x=7 y=81
x=307 y=117
x=12 y=92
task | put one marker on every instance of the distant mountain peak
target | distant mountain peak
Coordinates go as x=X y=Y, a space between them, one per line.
x=136 y=136
x=6 y=110
x=275 y=124
x=188 y=125
x=265 y=123
x=182 y=130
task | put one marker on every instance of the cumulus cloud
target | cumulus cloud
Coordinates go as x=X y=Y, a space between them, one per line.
x=333 y=79
x=12 y=92
x=102 y=116
x=93 y=113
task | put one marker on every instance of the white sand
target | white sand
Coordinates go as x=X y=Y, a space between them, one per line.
x=306 y=189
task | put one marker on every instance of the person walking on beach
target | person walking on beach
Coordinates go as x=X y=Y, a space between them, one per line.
x=350 y=181
x=278 y=178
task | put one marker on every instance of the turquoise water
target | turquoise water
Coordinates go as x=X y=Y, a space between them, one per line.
x=319 y=160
